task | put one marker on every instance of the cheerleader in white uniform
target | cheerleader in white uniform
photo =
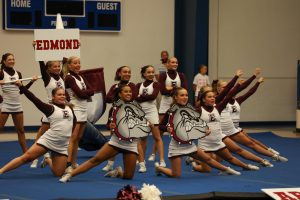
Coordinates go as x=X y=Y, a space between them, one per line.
x=123 y=75
x=242 y=137
x=11 y=97
x=227 y=125
x=80 y=92
x=147 y=93
x=112 y=148
x=213 y=144
x=52 y=77
x=55 y=139
x=178 y=150
x=167 y=82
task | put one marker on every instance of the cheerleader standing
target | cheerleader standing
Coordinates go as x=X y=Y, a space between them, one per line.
x=147 y=93
x=112 y=148
x=123 y=75
x=168 y=81
x=55 y=139
x=177 y=150
x=79 y=92
x=11 y=97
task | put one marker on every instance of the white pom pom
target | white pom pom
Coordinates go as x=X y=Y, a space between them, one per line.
x=150 y=192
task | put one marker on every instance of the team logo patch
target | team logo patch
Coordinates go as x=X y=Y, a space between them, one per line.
x=58 y=84
x=130 y=121
x=174 y=84
x=234 y=109
x=212 y=117
x=83 y=85
x=186 y=124
x=145 y=91
x=66 y=114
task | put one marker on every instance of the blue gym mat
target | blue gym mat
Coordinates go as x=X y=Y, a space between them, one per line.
x=26 y=183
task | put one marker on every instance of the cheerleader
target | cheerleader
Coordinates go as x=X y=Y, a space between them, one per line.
x=177 y=150
x=168 y=81
x=213 y=144
x=147 y=93
x=227 y=125
x=123 y=75
x=80 y=92
x=11 y=97
x=112 y=148
x=55 y=139
x=52 y=77
x=241 y=136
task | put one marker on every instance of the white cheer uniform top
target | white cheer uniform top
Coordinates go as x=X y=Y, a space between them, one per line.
x=11 y=94
x=52 y=85
x=227 y=125
x=235 y=113
x=147 y=90
x=166 y=101
x=213 y=141
x=56 y=138
x=79 y=104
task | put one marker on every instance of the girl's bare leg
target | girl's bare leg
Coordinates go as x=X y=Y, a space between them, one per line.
x=18 y=120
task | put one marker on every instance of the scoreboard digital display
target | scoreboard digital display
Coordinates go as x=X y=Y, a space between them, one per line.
x=87 y=15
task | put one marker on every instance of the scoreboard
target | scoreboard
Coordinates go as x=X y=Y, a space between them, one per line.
x=87 y=15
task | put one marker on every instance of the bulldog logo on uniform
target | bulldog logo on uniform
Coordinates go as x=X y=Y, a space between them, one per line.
x=58 y=84
x=212 y=117
x=186 y=124
x=130 y=121
x=145 y=91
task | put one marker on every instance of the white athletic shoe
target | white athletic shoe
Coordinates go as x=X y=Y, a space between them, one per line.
x=230 y=171
x=34 y=163
x=65 y=178
x=108 y=167
x=68 y=170
x=114 y=173
x=189 y=160
x=252 y=167
x=162 y=163
x=266 y=163
x=43 y=162
x=143 y=168
x=156 y=165
x=273 y=151
x=151 y=157
x=277 y=157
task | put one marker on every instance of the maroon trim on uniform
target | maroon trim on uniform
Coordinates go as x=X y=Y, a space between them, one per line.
x=47 y=109
x=163 y=123
x=70 y=83
x=226 y=89
x=47 y=76
x=222 y=105
x=242 y=98
x=109 y=98
x=246 y=83
x=150 y=97
x=172 y=74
